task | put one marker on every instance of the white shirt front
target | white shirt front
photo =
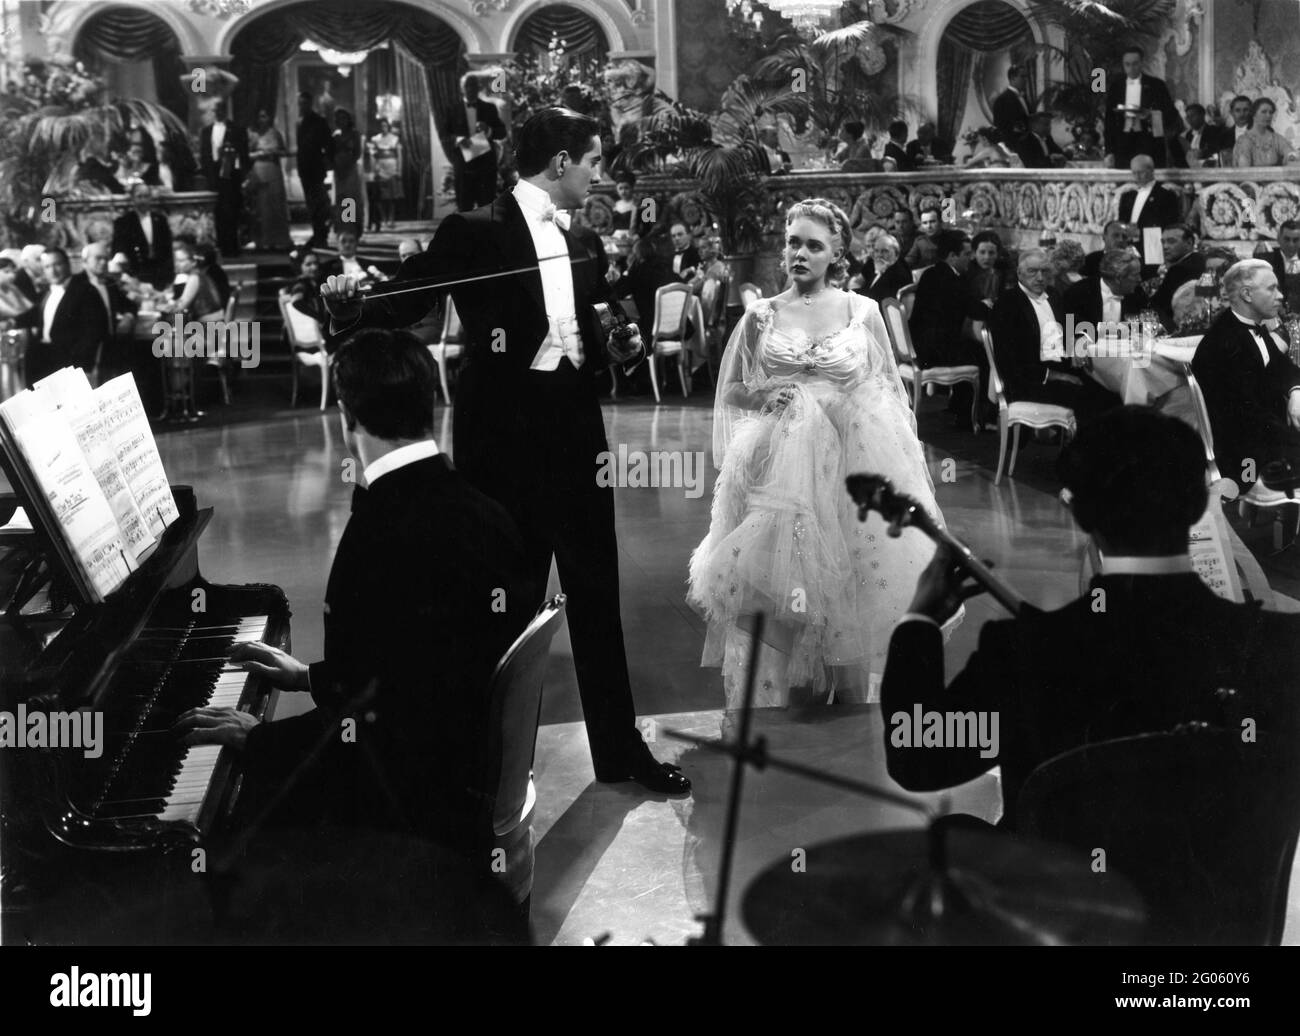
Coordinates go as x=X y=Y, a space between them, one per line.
x=1049 y=331
x=1133 y=93
x=1140 y=200
x=1112 y=307
x=52 y=301
x=102 y=288
x=146 y=226
x=218 y=138
x=1263 y=349
x=399 y=458
x=1292 y=265
x=1195 y=138
x=352 y=266
x=557 y=274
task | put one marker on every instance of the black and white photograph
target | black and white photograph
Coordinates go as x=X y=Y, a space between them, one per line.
x=502 y=474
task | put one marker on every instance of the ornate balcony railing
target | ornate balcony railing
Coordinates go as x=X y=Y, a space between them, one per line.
x=1234 y=207
x=90 y=218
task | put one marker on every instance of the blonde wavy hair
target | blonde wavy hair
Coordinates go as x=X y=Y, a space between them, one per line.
x=834 y=219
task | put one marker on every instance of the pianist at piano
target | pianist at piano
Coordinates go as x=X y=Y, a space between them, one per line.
x=411 y=631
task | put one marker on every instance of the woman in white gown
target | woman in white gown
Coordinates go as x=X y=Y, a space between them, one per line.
x=808 y=393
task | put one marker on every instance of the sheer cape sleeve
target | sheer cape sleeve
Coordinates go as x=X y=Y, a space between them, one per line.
x=742 y=387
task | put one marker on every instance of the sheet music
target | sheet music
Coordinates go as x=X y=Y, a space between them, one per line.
x=128 y=429
x=79 y=506
x=1212 y=559
x=70 y=390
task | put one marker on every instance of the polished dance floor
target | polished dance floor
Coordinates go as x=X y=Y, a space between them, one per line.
x=612 y=864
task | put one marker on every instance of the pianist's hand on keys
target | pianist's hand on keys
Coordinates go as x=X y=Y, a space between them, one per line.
x=223 y=725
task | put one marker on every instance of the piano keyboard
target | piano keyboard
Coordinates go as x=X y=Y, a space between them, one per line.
x=154 y=774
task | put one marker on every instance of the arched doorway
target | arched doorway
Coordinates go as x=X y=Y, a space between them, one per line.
x=581 y=36
x=977 y=45
x=137 y=55
x=376 y=59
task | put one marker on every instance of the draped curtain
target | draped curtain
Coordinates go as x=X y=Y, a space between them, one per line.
x=129 y=34
x=351 y=25
x=581 y=33
x=983 y=28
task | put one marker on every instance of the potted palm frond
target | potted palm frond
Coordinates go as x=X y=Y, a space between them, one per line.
x=836 y=77
x=48 y=126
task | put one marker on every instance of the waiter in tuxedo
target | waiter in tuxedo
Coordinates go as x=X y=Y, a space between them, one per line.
x=1150 y=205
x=114 y=356
x=315 y=158
x=1131 y=131
x=528 y=426
x=1036 y=147
x=69 y=321
x=476 y=178
x=1251 y=384
x=145 y=238
x=1153 y=658
x=223 y=159
x=1011 y=108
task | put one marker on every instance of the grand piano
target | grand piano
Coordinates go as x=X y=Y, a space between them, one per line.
x=157 y=646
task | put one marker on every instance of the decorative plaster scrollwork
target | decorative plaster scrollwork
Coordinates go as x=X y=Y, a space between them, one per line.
x=484 y=8
x=221 y=8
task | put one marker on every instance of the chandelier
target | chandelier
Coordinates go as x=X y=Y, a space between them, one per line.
x=343 y=60
x=808 y=16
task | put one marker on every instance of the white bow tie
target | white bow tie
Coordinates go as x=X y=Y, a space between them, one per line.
x=550 y=214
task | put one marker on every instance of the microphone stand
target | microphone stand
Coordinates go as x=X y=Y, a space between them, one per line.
x=933 y=895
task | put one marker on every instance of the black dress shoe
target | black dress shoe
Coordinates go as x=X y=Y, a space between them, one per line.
x=647 y=771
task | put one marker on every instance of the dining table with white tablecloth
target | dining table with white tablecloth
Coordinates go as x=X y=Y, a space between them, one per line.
x=1144 y=375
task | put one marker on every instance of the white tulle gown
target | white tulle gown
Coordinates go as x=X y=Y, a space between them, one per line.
x=785 y=537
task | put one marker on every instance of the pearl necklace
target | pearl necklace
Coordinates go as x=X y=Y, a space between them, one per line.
x=808 y=299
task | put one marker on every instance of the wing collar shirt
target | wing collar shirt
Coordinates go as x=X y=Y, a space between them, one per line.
x=1140 y=200
x=1049 y=331
x=1112 y=307
x=563 y=337
x=52 y=304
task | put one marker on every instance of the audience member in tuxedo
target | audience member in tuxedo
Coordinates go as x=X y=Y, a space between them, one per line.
x=902 y=224
x=223 y=159
x=1150 y=205
x=1110 y=298
x=349 y=262
x=1028 y=343
x=884 y=274
x=928 y=149
x=528 y=425
x=1241 y=109
x=1285 y=260
x=923 y=253
x=1182 y=263
x=646 y=273
x=428 y=588
x=13 y=303
x=1201 y=141
x=897 y=146
x=1067 y=264
x=144 y=236
x=686 y=257
x=1251 y=383
x=986 y=274
x=1131 y=131
x=944 y=300
x=1036 y=148
x=1151 y=660
x=68 y=322
x=1011 y=108
x=114 y=357
x=476 y=180
x=1117 y=234
x=315 y=159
